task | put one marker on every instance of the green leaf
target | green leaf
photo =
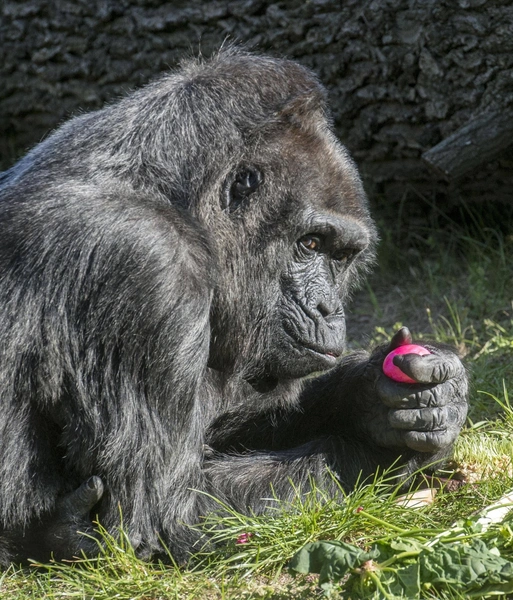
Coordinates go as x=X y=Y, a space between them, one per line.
x=388 y=549
x=406 y=545
x=409 y=581
x=331 y=559
x=466 y=565
x=403 y=582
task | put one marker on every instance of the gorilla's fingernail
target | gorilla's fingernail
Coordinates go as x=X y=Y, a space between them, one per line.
x=93 y=482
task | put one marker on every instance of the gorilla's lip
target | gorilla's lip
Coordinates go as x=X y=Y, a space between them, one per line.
x=330 y=354
x=326 y=354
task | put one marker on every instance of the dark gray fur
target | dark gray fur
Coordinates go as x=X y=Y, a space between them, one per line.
x=160 y=311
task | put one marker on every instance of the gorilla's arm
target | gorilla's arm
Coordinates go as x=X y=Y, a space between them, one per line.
x=353 y=420
x=362 y=419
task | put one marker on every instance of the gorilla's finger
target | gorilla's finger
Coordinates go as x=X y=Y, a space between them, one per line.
x=430 y=368
x=401 y=338
x=405 y=395
x=389 y=437
x=79 y=502
x=425 y=419
x=425 y=441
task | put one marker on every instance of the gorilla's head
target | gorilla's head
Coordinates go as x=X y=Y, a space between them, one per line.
x=285 y=211
x=242 y=146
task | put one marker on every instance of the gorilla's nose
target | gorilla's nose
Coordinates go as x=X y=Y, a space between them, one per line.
x=329 y=306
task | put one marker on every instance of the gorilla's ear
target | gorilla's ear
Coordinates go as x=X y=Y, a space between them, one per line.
x=239 y=186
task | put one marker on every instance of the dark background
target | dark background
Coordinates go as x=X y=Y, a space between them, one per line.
x=402 y=75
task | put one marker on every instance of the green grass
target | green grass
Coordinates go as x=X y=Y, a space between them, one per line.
x=449 y=282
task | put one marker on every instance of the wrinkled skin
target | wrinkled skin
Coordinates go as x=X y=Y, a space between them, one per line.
x=312 y=311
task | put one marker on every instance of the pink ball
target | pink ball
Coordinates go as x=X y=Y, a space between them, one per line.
x=395 y=373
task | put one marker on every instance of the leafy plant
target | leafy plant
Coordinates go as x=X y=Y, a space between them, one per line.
x=463 y=559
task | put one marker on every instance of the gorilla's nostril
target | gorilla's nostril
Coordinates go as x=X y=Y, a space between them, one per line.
x=326 y=308
x=323 y=310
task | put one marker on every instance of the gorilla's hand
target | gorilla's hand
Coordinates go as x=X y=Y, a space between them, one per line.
x=62 y=534
x=426 y=416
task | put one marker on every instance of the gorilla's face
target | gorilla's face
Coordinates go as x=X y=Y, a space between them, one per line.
x=299 y=231
x=311 y=335
x=331 y=238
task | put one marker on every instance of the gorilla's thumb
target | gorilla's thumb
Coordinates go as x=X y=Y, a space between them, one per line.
x=401 y=338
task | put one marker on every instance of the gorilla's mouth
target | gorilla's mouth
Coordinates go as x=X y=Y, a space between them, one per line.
x=327 y=354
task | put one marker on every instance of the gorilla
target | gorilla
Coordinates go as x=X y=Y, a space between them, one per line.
x=173 y=275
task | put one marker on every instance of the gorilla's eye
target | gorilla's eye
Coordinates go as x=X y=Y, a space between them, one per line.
x=311 y=242
x=245 y=183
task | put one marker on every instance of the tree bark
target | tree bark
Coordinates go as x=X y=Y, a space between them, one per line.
x=403 y=75
x=472 y=146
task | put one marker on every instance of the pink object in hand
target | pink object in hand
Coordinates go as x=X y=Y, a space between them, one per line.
x=395 y=373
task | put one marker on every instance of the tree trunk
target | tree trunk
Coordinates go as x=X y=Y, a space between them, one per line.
x=403 y=75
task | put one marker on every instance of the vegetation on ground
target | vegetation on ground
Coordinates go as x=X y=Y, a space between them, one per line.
x=449 y=280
